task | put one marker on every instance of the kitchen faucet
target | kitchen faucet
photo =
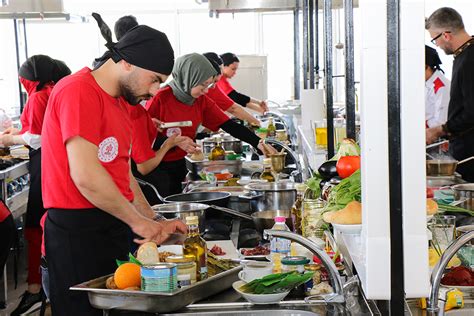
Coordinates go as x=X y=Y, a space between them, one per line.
x=334 y=277
x=433 y=308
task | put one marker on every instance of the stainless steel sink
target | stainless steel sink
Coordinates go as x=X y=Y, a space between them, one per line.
x=461 y=312
x=273 y=312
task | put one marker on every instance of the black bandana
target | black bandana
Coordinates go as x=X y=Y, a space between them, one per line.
x=432 y=58
x=43 y=69
x=142 y=46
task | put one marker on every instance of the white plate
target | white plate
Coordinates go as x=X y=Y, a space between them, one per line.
x=354 y=229
x=259 y=298
x=227 y=246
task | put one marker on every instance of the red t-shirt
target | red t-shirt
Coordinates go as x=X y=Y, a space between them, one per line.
x=165 y=107
x=33 y=114
x=225 y=85
x=143 y=134
x=221 y=99
x=79 y=107
x=4 y=211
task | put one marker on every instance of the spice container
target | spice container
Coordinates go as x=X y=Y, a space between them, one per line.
x=293 y=263
x=316 y=269
x=186 y=269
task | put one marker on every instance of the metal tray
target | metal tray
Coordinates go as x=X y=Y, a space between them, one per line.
x=155 y=302
x=215 y=166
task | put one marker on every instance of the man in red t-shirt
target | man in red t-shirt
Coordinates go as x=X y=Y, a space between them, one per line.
x=92 y=199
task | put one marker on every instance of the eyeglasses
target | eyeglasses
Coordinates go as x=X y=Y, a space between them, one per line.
x=207 y=86
x=433 y=40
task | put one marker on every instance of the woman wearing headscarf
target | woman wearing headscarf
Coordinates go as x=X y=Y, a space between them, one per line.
x=231 y=64
x=184 y=99
x=38 y=75
x=437 y=88
x=221 y=99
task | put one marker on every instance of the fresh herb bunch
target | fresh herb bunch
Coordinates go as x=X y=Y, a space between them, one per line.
x=276 y=283
x=348 y=190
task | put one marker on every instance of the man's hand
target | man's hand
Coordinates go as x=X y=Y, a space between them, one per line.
x=432 y=134
x=11 y=130
x=158 y=232
x=6 y=140
x=188 y=145
x=266 y=149
x=264 y=106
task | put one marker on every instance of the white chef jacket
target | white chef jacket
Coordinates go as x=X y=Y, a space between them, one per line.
x=436 y=99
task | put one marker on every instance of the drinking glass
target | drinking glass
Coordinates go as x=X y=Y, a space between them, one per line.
x=442 y=228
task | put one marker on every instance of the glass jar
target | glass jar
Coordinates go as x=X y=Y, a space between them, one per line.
x=316 y=279
x=186 y=269
x=293 y=263
x=312 y=224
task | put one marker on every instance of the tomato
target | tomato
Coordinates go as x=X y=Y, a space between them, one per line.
x=429 y=193
x=347 y=165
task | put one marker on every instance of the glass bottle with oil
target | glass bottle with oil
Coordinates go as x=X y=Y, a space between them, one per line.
x=271 y=128
x=195 y=245
x=267 y=173
x=218 y=152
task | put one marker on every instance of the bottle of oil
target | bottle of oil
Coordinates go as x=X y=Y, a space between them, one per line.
x=218 y=152
x=196 y=246
x=271 y=129
x=296 y=210
x=267 y=173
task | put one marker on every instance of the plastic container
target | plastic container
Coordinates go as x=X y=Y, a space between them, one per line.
x=279 y=247
x=293 y=263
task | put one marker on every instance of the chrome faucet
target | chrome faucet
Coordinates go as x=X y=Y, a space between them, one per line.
x=298 y=174
x=334 y=277
x=433 y=308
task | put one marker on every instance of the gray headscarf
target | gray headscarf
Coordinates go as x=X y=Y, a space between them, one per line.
x=189 y=71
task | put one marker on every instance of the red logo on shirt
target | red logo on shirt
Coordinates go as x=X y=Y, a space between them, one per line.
x=173 y=131
x=108 y=149
x=438 y=84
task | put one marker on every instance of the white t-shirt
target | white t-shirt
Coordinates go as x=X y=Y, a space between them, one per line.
x=437 y=89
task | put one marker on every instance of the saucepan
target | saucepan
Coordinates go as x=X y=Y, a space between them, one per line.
x=439 y=167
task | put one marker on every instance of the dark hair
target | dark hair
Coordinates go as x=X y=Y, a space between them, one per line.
x=445 y=18
x=432 y=58
x=123 y=25
x=229 y=58
x=215 y=61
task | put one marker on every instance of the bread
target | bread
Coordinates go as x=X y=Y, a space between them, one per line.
x=197 y=156
x=349 y=215
x=148 y=253
x=431 y=207
x=110 y=283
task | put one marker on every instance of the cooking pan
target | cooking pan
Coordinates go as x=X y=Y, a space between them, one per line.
x=438 y=167
x=266 y=219
x=181 y=211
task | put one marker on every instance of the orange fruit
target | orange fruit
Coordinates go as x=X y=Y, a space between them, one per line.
x=127 y=275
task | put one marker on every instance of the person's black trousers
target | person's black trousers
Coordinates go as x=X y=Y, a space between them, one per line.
x=81 y=245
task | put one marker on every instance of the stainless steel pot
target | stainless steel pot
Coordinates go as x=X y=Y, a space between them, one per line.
x=464 y=192
x=227 y=142
x=438 y=167
x=181 y=211
x=271 y=196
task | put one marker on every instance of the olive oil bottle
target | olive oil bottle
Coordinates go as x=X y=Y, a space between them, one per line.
x=218 y=152
x=271 y=129
x=196 y=246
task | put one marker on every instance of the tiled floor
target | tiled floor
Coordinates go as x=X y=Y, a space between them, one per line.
x=13 y=295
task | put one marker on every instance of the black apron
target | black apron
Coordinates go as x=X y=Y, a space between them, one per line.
x=81 y=245
x=167 y=178
x=34 y=208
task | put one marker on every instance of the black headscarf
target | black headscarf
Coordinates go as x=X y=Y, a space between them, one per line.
x=214 y=62
x=229 y=58
x=142 y=46
x=43 y=69
x=432 y=58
